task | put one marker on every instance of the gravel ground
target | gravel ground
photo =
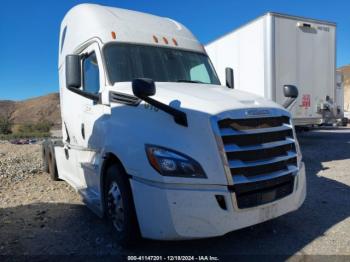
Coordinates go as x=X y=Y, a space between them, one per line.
x=17 y=162
x=40 y=217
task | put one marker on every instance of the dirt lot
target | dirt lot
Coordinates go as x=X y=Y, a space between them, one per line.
x=40 y=217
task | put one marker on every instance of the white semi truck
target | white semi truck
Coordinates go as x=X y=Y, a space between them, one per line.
x=153 y=142
x=277 y=49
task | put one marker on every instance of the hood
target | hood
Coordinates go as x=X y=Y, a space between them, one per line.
x=211 y=99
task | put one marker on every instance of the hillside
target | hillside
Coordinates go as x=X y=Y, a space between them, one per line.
x=34 y=110
x=6 y=108
x=345 y=70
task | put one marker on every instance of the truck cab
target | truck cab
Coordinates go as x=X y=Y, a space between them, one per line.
x=155 y=143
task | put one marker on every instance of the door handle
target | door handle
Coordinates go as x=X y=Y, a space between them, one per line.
x=83 y=131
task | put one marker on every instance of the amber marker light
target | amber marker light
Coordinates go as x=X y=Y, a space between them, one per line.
x=155 y=39
x=165 y=40
x=114 y=35
x=175 y=42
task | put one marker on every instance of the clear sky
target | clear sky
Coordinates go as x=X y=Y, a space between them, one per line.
x=29 y=31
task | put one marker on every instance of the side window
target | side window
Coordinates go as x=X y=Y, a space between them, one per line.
x=63 y=37
x=91 y=74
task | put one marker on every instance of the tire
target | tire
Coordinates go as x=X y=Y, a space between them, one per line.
x=119 y=206
x=345 y=122
x=45 y=159
x=52 y=164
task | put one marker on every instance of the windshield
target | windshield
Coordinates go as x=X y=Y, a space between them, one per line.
x=125 y=62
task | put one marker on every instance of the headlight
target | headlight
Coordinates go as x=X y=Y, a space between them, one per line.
x=170 y=163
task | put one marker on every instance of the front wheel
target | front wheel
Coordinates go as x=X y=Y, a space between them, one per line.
x=120 y=207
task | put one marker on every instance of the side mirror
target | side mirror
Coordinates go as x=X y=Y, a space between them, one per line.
x=73 y=71
x=229 y=78
x=143 y=87
x=290 y=91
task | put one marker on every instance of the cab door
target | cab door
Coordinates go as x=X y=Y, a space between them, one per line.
x=81 y=113
x=91 y=120
x=93 y=82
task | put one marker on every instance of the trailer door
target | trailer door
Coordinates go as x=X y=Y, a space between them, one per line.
x=305 y=57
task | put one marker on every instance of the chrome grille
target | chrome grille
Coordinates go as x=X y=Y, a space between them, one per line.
x=266 y=147
x=257 y=150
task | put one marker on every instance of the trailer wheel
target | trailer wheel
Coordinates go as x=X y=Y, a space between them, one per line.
x=52 y=164
x=345 y=121
x=120 y=209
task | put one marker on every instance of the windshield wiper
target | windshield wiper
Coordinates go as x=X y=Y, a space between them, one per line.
x=190 y=81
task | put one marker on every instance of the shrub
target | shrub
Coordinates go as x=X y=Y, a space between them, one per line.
x=24 y=131
x=24 y=136
x=42 y=127
x=5 y=126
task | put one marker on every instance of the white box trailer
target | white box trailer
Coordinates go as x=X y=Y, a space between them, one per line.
x=274 y=50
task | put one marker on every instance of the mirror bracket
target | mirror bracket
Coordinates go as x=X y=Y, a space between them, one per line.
x=95 y=97
x=179 y=116
x=143 y=88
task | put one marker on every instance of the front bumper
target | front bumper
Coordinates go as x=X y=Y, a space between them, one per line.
x=174 y=212
x=308 y=121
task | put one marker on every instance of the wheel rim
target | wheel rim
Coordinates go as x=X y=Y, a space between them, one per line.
x=116 y=207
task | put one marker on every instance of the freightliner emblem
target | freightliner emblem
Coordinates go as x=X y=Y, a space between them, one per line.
x=257 y=112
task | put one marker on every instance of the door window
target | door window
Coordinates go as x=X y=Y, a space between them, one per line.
x=91 y=74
